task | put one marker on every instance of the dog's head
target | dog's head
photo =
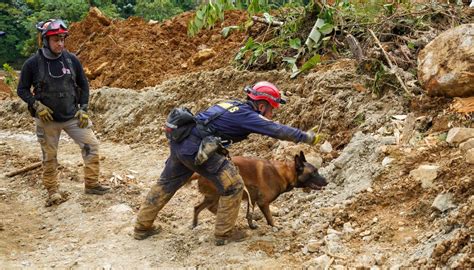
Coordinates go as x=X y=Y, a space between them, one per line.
x=307 y=174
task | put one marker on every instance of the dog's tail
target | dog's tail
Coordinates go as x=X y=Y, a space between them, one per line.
x=249 y=203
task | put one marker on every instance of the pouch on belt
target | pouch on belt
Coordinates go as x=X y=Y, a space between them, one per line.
x=208 y=147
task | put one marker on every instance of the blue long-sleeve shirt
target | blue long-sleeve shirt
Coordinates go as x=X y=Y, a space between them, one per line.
x=241 y=119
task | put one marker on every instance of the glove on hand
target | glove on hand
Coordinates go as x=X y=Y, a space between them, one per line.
x=43 y=112
x=312 y=137
x=83 y=117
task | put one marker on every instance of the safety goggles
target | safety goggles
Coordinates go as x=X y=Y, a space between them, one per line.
x=250 y=90
x=51 y=25
x=56 y=25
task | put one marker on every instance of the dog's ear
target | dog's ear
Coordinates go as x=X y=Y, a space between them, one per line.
x=299 y=165
x=303 y=158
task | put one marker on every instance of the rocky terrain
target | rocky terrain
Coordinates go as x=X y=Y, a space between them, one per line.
x=400 y=168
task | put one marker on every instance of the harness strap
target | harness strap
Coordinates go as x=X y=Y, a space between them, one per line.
x=204 y=130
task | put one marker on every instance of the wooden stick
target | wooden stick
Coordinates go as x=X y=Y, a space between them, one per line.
x=390 y=63
x=25 y=169
x=263 y=20
x=82 y=44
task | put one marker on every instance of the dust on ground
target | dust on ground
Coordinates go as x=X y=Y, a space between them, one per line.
x=371 y=214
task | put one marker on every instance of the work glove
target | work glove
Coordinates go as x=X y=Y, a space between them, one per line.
x=43 y=112
x=83 y=117
x=312 y=138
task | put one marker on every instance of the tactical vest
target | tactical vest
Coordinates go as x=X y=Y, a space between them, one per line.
x=59 y=92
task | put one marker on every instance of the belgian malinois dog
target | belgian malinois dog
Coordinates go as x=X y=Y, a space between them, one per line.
x=264 y=181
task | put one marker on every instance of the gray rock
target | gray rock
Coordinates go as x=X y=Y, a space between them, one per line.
x=326 y=147
x=470 y=156
x=425 y=174
x=387 y=160
x=458 y=135
x=321 y=262
x=443 y=202
x=465 y=146
x=445 y=66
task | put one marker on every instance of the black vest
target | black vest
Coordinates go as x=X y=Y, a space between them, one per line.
x=56 y=87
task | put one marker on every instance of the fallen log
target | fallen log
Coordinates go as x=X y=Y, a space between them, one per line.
x=25 y=169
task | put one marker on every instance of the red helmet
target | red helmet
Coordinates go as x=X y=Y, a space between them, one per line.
x=265 y=91
x=52 y=27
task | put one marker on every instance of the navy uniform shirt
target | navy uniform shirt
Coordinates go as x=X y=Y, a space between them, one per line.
x=241 y=119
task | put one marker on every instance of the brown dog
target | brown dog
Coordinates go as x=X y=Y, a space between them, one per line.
x=265 y=181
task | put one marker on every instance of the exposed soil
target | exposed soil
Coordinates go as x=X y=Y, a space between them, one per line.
x=373 y=214
x=133 y=53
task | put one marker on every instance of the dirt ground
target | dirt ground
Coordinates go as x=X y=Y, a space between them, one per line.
x=372 y=214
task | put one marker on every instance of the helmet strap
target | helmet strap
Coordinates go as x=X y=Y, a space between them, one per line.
x=45 y=42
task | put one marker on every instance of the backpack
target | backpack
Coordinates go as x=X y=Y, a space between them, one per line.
x=179 y=124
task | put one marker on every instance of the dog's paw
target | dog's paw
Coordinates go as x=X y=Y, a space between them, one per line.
x=276 y=229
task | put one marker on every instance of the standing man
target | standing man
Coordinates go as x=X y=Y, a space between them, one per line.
x=200 y=152
x=59 y=102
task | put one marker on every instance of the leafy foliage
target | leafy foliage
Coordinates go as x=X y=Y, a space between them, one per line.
x=156 y=9
x=208 y=15
x=11 y=19
x=11 y=78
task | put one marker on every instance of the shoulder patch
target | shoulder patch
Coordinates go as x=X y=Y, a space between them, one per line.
x=225 y=105
x=228 y=106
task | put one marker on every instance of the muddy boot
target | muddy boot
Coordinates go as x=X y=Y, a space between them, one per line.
x=97 y=190
x=235 y=236
x=144 y=234
x=56 y=198
x=227 y=213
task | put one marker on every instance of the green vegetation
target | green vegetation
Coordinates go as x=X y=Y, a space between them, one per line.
x=296 y=34
x=19 y=17
x=11 y=78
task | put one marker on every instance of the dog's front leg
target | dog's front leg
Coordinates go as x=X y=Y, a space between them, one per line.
x=198 y=208
x=265 y=208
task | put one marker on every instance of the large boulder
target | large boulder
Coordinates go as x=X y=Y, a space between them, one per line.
x=446 y=64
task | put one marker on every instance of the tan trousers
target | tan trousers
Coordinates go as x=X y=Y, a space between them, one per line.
x=163 y=190
x=48 y=135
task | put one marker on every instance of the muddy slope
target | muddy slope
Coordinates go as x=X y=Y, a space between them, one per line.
x=133 y=53
x=372 y=213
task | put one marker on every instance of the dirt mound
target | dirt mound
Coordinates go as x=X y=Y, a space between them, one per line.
x=133 y=53
x=5 y=90
x=370 y=214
